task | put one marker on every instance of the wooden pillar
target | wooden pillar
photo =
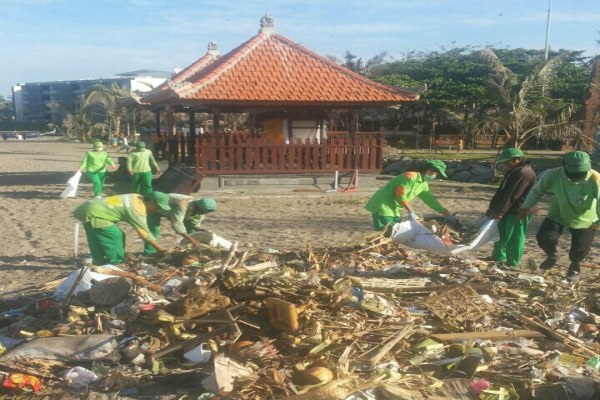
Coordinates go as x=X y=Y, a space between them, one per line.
x=352 y=114
x=157 y=121
x=216 y=118
x=171 y=139
x=191 y=148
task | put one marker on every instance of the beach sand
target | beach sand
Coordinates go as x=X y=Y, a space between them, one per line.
x=37 y=233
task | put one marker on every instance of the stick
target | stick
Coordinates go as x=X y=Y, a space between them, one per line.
x=230 y=255
x=374 y=359
x=67 y=300
x=489 y=335
x=130 y=275
x=240 y=262
x=76 y=241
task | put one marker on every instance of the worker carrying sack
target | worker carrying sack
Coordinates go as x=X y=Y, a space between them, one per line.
x=72 y=184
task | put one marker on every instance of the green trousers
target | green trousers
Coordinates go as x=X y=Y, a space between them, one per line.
x=381 y=221
x=107 y=245
x=154 y=228
x=509 y=249
x=97 y=179
x=142 y=182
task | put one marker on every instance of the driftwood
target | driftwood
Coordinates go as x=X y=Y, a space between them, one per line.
x=488 y=335
x=130 y=275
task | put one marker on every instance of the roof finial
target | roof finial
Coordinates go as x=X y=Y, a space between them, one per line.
x=267 y=25
x=213 y=48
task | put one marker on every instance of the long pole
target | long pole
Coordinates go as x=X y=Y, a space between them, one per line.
x=546 y=51
x=547 y=47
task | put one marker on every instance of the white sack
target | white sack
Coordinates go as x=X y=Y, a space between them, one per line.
x=72 y=185
x=86 y=281
x=417 y=236
x=209 y=238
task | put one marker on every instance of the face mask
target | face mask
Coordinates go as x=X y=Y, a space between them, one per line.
x=429 y=178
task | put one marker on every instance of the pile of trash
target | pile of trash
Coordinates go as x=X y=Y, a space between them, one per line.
x=368 y=321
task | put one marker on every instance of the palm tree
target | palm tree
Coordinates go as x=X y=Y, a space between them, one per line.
x=522 y=108
x=106 y=98
x=78 y=124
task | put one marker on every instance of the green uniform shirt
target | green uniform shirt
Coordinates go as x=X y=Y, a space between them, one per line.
x=179 y=207
x=96 y=161
x=141 y=160
x=574 y=204
x=404 y=187
x=194 y=214
x=128 y=208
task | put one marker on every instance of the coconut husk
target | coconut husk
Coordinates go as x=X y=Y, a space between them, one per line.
x=197 y=302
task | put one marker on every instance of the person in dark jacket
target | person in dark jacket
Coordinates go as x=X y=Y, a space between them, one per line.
x=505 y=206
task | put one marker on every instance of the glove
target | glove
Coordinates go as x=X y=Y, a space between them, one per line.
x=413 y=216
x=452 y=219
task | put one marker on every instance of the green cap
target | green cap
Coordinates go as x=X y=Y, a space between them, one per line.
x=140 y=145
x=206 y=205
x=577 y=161
x=509 y=154
x=98 y=146
x=439 y=166
x=160 y=198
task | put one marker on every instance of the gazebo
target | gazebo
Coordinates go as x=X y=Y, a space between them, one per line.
x=289 y=92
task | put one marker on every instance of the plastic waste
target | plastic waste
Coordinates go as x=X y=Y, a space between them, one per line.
x=86 y=282
x=72 y=185
x=417 y=236
x=198 y=355
x=127 y=310
x=66 y=348
x=79 y=377
x=9 y=342
x=209 y=238
x=24 y=382
x=479 y=385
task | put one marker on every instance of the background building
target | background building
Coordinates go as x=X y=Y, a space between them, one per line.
x=51 y=101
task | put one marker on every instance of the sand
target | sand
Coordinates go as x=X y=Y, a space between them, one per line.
x=37 y=229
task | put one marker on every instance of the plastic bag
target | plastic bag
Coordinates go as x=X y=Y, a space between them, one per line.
x=209 y=238
x=84 y=284
x=72 y=184
x=417 y=236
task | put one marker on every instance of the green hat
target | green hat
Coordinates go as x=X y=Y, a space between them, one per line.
x=439 y=166
x=577 y=161
x=140 y=145
x=159 y=198
x=205 y=205
x=98 y=146
x=509 y=154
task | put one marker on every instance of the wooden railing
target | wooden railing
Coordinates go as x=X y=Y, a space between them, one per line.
x=243 y=153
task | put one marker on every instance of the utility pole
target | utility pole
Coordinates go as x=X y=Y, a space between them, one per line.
x=546 y=51
x=547 y=47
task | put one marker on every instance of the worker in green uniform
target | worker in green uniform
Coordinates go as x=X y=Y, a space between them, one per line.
x=141 y=165
x=94 y=165
x=185 y=215
x=505 y=205
x=575 y=205
x=106 y=240
x=387 y=203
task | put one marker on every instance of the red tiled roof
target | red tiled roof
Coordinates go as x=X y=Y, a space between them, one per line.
x=182 y=77
x=271 y=69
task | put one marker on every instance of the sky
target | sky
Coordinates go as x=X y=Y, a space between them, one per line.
x=47 y=40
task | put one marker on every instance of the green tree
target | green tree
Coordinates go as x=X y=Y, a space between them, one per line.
x=523 y=107
x=103 y=101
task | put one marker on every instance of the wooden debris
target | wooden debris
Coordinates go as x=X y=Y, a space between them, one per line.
x=487 y=335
